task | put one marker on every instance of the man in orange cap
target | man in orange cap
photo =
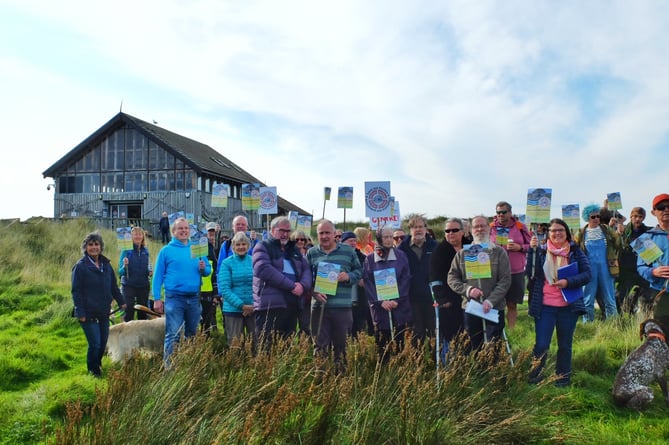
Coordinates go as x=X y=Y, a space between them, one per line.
x=657 y=272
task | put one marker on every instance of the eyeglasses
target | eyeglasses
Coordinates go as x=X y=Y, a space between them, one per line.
x=502 y=212
x=662 y=207
x=451 y=230
x=594 y=216
x=398 y=238
x=556 y=230
x=337 y=236
x=284 y=230
x=301 y=239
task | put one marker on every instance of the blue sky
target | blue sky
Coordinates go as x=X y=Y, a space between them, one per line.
x=459 y=104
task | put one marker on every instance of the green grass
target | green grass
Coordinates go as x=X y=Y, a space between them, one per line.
x=216 y=395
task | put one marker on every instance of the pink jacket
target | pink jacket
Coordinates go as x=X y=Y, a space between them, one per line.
x=518 y=232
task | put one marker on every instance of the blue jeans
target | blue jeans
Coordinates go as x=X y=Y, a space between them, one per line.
x=601 y=282
x=96 y=331
x=180 y=310
x=563 y=320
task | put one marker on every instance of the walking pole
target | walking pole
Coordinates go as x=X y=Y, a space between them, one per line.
x=485 y=331
x=508 y=346
x=437 y=352
x=320 y=323
x=392 y=328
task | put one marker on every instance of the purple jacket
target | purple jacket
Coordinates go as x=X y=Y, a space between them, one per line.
x=271 y=287
x=402 y=314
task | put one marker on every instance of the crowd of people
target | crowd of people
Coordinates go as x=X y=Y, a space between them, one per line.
x=390 y=283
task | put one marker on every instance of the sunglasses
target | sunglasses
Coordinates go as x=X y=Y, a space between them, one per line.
x=398 y=238
x=662 y=207
x=502 y=212
x=301 y=239
x=451 y=230
x=594 y=216
x=337 y=236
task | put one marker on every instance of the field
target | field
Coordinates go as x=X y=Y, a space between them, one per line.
x=218 y=395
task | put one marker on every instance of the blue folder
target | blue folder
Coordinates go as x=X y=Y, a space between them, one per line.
x=570 y=294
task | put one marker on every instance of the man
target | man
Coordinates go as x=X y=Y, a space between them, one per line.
x=164 y=226
x=280 y=276
x=181 y=276
x=209 y=296
x=338 y=235
x=512 y=236
x=657 y=272
x=418 y=249
x=491 y=292
x=449 y=302
x=629 y=277
x=398 y=237
x=331 y=316
x=239 y=224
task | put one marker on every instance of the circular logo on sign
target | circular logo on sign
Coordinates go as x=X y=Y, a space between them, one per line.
x=378 y=199
x=544 y=202
x=267 y=200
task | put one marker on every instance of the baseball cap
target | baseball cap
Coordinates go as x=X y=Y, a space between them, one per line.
x=659 y=198
x=210 y=226
x=347 y=235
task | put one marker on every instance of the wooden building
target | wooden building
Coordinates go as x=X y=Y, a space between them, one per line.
x=130 y=172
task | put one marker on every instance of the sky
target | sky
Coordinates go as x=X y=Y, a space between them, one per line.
x=458 y=104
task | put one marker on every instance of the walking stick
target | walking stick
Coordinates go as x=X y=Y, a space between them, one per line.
x=485 y=331
x=437 y=352
x=508 y=346
x=320 y=322
x=392 y=328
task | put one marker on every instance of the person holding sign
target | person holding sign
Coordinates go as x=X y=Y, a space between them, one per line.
x=629 y=277
x=513 y=236
x=180 y=274
x=481 y=273
x=387 y=281
x=653 y=262
x=337 y=270
x=135 y=271
x=601 y=244
x=550 y=306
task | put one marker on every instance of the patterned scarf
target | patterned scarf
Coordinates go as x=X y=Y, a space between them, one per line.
x=555 y=258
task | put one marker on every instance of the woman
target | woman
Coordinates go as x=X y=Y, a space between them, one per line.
x=451 y=315
x=364 y=240
x=236 y=280
x=301 y=240
x=93 y=288
x=390 y=316
x=135 y=271
x=548 y=307
x=602 y=245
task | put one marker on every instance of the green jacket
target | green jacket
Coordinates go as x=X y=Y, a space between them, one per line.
x=613 y=246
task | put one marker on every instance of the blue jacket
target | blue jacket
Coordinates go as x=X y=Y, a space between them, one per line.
x=661 y=239
x=420 y=269
x=137 y=272
x=93 y=288
x=226 y=251
x=236 y=282
x=177 y=271
x=536 y=284
x=271 y=288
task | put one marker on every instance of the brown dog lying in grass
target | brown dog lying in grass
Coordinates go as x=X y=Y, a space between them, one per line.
x=146 y=336
x=646 y=364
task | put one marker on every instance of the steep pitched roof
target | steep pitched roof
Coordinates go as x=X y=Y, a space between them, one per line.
x=201 y=157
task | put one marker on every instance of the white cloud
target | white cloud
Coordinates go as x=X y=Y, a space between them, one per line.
x=459 y=105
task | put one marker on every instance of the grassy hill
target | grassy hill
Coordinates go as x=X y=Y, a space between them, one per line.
x=216 y=395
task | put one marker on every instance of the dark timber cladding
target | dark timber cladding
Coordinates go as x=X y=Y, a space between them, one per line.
x=130 y=171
